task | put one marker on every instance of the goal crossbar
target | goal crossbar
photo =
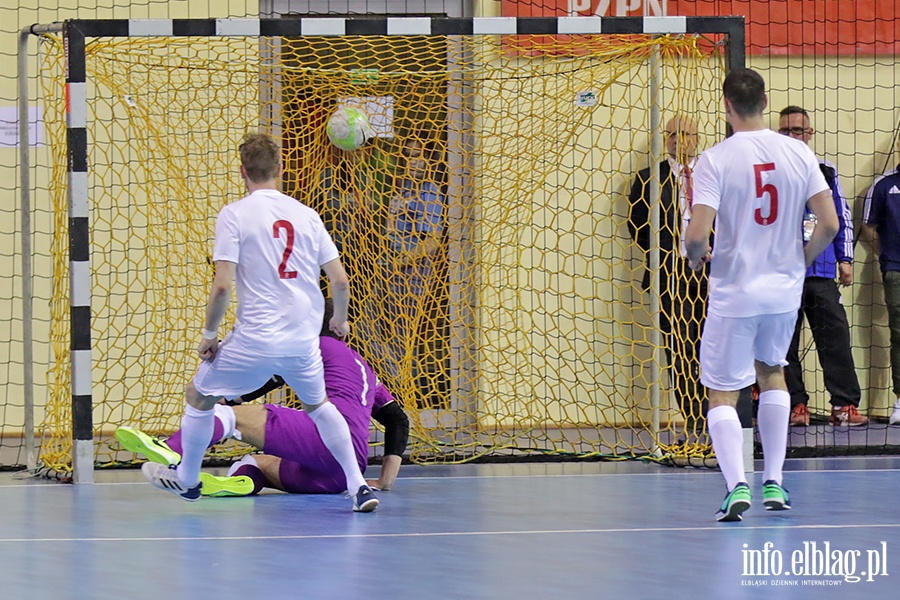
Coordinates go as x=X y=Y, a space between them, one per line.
x=381 y=26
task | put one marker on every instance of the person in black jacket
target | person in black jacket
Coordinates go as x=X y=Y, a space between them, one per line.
x=682 y=291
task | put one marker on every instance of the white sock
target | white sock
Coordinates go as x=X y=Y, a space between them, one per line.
x=728 y=443
x=225 y=415
x=196 y=431
x=247 y=460
x=772 y=422
x=336 y=436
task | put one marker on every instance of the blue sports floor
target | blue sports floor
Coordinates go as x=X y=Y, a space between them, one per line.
x=527 y=531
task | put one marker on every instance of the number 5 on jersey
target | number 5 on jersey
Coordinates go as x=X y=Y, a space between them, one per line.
x=289 y=247
x=769 y=189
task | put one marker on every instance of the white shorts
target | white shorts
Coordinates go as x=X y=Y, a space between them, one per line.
x=235 y=372
x=730 y=345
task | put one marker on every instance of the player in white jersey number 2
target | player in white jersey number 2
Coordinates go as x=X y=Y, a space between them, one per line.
x=274 y=248
x=754 y=187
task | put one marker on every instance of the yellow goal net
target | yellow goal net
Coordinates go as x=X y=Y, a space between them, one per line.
x=512 y=323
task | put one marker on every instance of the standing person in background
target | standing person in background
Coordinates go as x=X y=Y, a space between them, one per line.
x=755 y=187
x=274 y=248
x=881 y=224
x=683 y=291
x=413 y=228
x=821 y=301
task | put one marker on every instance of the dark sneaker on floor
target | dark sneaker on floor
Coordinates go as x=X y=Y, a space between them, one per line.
x=736 y=502
x=364 y=500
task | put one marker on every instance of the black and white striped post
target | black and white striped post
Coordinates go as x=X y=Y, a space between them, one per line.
x=79 y=257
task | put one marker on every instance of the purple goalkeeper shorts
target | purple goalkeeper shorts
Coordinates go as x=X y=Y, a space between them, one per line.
x=307 y=466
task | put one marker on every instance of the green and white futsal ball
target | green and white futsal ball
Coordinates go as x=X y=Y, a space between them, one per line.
x=348 y=128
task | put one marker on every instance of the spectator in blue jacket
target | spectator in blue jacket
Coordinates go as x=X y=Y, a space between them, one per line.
x=881 y=223
x=822 y=304
x=414 y=227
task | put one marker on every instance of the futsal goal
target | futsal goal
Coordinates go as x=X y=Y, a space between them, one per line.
x=531 y=334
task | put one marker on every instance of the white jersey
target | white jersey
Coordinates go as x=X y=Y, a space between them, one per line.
x=759 y=183
x=279 y=246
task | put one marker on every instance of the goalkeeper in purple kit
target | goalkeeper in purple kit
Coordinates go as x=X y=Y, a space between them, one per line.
x=295 y=460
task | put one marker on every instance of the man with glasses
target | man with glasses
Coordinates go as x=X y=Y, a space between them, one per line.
x=821 y=302
x=682 y=291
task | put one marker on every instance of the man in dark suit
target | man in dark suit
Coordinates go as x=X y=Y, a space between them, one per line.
x=682 y=291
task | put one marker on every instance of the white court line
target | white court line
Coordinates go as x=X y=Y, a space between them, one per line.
x=451 y=533
x=668 y=473
x=677 y=471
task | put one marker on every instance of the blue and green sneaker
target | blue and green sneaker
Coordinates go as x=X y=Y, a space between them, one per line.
x=736 y=502
x=775 y=497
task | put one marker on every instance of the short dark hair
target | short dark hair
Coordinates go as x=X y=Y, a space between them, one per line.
x=260 y=157
x=793 y=110
x=746 y=91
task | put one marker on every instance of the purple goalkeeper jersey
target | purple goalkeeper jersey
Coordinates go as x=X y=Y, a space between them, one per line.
x=353 y=388
x=307 y=466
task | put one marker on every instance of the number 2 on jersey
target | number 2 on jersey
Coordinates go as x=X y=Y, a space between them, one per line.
x=769 y=189
x=288 y=248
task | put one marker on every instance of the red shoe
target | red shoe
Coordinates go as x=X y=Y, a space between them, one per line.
x=800 y=416
x=847 y=416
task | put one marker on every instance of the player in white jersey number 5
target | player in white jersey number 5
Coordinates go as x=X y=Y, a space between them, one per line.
x=273 y=248
x=754 y=187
